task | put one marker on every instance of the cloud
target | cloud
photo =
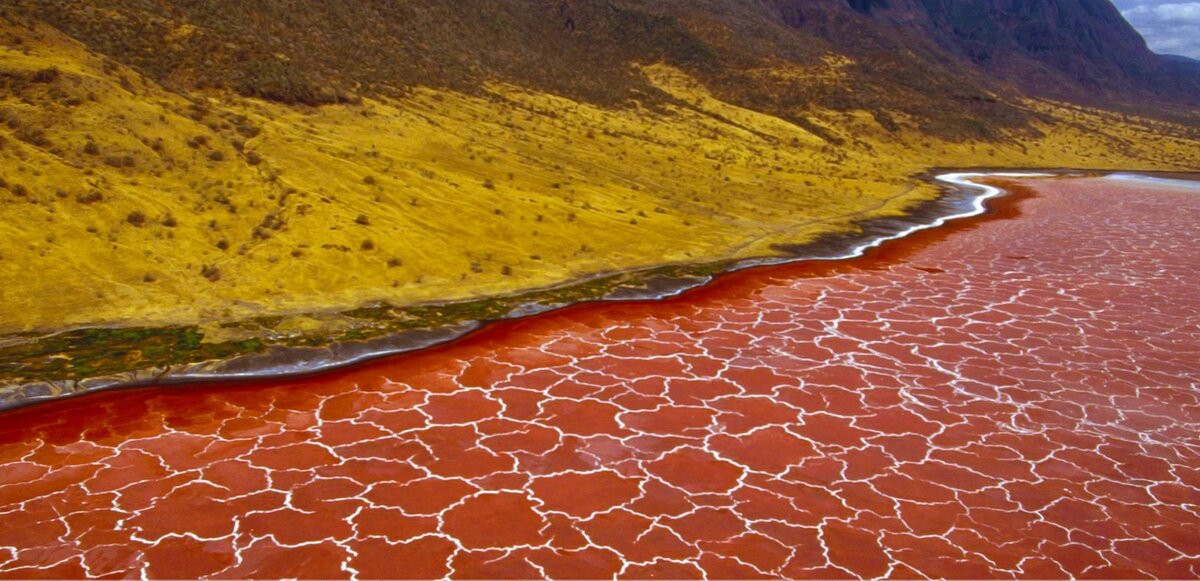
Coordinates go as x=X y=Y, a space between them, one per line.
x=1169 y=28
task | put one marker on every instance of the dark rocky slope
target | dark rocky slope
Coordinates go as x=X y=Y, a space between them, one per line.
x=1081 y=50
x=949 y=63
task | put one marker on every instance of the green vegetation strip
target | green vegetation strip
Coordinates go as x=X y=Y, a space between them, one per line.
x=103 y=352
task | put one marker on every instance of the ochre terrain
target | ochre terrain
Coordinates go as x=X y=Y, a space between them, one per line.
x=127 y=203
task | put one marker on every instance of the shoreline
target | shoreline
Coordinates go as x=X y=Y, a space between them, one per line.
x=961 y=198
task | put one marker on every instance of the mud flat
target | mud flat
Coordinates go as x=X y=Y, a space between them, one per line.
x=1004 y=397
x=88 y=360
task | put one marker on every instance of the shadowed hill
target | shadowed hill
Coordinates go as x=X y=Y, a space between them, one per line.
x=1080 y=50
x=1077 y=49
x=905 y=53
x=312 y=52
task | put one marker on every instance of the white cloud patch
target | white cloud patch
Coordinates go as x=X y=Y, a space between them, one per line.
x=1169 y=28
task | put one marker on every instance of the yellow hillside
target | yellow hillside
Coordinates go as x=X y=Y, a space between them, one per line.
x=125 y=203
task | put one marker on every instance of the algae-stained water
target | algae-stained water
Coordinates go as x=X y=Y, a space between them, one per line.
x=1016 y=396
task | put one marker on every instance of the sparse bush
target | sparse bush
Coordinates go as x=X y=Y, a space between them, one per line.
x=489 y=185
x=362 y=220
x=120 y=161
x=367 y=245
x=33 y=136
x=216 y=155
x=211 y=272
x=46 y=75
x=90 y=197
x=253 y=158
x=248 y=131
x=197 y=111
x=91 y=148
x=369 y=180
x=136 y=218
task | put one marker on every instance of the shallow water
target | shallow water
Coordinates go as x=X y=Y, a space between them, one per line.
x=1013 y=396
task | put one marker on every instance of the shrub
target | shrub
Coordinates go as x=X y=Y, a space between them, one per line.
x=120 y=161
x=33 y=136
x=90 y=197
x=46 y=75
x=136 y=218
x=248 y=131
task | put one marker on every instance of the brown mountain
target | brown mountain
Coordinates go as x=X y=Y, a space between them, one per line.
x=906 y=53
x=1074 y=49
x=1066 y=48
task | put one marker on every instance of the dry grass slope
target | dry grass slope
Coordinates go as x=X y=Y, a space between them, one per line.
x=122 y=202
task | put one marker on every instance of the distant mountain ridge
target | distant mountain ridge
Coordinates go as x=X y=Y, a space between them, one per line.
x=1188 y=65
x=1072 y=49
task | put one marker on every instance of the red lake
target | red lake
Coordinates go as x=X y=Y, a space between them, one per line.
x=1011 y=395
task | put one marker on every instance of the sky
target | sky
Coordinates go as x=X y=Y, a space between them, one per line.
x=1169 y=26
